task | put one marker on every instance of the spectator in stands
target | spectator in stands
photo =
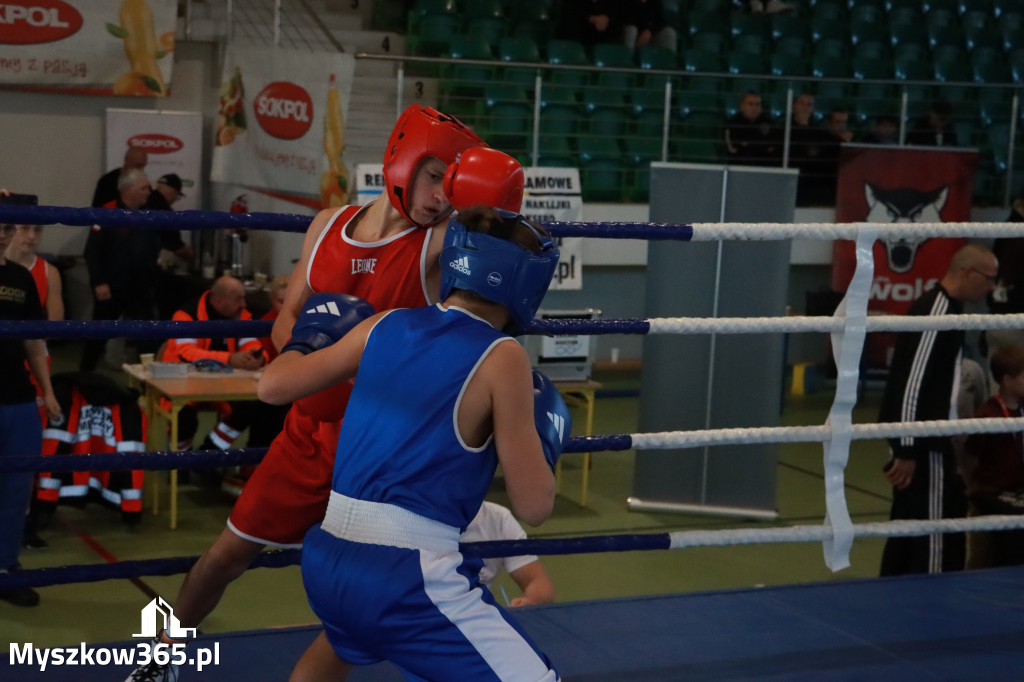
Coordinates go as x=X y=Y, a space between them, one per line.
x=1008 y=296
x=809 y=147
x=934 y=129
x=107 y=189
x=751 y=138
x=644 y=23
x=121 y=262
x=998 y=476
x=591 y=21
x=838 y=132
x=885 y=130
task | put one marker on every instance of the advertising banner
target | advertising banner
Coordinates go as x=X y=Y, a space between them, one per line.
x=281 y=122
x=553 y=195
x=886 y=184
x=97 y=46
x=172 y=139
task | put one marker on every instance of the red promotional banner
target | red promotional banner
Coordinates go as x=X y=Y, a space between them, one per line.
x=886 y=184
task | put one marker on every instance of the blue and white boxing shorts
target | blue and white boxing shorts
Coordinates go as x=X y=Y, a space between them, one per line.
x=389 y=584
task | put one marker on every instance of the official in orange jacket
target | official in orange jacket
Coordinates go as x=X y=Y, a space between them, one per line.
x=225 y=300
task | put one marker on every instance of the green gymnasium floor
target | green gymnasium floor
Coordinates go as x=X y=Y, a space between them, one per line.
x=267 y=598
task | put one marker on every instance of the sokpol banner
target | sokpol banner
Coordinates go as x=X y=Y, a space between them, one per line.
x=173 y=141
x=96 y=46
x=887 y=184
x=281 y=122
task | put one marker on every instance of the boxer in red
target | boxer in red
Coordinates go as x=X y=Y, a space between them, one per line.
x=387 y=254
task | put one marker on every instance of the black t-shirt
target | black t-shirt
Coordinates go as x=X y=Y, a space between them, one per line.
x=19 y=300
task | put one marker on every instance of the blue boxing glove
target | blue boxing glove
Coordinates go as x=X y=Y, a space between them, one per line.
x=325 y=318
x=551 y=416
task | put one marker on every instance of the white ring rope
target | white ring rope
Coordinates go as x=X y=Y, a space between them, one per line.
x=831 y=325
x=887 y=529
x=667 y=440
x=706 y=232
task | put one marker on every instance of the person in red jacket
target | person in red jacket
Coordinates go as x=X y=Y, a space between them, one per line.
x=225 y=300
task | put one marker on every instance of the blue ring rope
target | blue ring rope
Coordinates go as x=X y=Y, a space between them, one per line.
x=86 y=573
x=288 y=222
x=171 y=329
x=164 y=460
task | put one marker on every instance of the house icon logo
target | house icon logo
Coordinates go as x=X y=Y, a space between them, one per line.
x=156 y=608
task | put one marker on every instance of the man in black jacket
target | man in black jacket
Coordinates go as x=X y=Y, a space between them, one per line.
x=922 y=386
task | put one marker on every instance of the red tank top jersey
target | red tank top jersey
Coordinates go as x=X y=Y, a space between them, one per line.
x=38 y=271
x=387 y=274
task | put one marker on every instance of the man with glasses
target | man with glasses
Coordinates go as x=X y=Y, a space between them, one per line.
x=922 y=386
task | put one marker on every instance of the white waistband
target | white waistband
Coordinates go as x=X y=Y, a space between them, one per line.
x=377 y=523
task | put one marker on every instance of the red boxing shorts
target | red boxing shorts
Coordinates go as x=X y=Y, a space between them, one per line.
x=288 y=492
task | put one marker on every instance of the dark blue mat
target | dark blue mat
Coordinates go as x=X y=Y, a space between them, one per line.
x=965 y=626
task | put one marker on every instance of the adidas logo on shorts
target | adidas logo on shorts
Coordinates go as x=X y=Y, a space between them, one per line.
x=330 y=307
x=461 y=264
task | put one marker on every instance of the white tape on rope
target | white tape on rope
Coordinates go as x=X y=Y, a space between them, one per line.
x=846 y=347
x=886 y=529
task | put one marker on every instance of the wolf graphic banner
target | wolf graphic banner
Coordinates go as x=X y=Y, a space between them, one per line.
x=886 y=184
x=94 y=46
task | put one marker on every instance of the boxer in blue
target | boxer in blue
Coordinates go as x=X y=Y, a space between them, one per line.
x=442 y=395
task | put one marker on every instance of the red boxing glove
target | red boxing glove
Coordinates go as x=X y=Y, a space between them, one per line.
x=481 y=175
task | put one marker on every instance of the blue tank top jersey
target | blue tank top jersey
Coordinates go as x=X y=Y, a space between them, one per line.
x=399 y=444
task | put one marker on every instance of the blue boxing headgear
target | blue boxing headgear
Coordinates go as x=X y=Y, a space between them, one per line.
x=498 y=270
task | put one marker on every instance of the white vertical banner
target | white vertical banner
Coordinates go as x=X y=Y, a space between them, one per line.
x=281 y=122
x=173 y=140
x=553 y=195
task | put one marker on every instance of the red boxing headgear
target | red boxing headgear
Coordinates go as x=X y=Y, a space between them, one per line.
x=421 y=133
x=482 y=175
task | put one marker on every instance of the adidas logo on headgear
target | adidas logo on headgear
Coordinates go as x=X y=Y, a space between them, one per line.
x=461 y=264
x=330 y=307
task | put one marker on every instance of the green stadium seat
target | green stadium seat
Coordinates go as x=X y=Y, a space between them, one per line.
x=746 y=63
x=880 y=69
x=829 y=67
x=555 y=151
x=753 y=44
x=741 y=24
x=483 y=8
x=655 y=57
x=786 y=24
x=433 y=34
x=872 y=49
x=913 y=69
x=614 y=55
x=906 y=15
x=1016 y=63
x=795 y=46
x=639 y=154
x=559 y=112
x=509 y=118
x=491 y=29
x=831 y=48
x=601 y=169
x=568 y=53
x=789 y=65
x=710 y=41
x=1011 y=28
x=701 y=60
x=713 y=22
x=908 y=34
x=695 y=151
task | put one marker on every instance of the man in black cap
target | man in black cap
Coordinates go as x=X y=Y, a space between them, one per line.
x=169 y=286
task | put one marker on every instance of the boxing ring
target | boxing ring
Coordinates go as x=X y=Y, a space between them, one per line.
x=947 y=627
